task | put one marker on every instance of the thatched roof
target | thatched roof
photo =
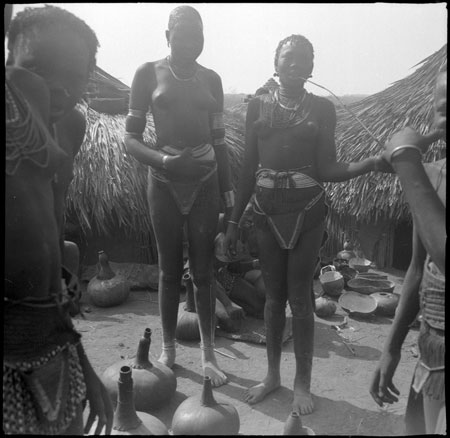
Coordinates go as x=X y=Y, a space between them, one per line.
x=407 y=102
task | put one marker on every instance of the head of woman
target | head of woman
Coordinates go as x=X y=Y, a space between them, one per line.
x=59 y=47
x=440 y=100
x=294 y=60
x=185 y=34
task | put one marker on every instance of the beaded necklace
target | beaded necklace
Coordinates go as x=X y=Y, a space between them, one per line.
x=25 y=136
x=177 y=77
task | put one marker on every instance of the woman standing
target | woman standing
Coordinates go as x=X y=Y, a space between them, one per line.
x=289 y=152
x=187 y=172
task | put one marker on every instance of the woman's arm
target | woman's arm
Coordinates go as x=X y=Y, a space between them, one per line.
x=329 y=170
x=218 y=140
x=136 y=118
x=246 y=185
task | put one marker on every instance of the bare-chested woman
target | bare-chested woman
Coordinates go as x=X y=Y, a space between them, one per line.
x=46 y=374
x=289 y=151
x=188 y=172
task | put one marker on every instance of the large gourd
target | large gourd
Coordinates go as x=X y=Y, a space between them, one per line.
x=107 y=289
x=154 y=382
x=203 y=415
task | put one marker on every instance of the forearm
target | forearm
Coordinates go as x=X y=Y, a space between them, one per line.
x=427 y=209
x=342 y=171
x=223 y=168
x=143 y=153
x=222 y=296
x=245 y=190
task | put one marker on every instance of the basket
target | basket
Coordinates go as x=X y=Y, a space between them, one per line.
x=367 y=287
x=332 y=282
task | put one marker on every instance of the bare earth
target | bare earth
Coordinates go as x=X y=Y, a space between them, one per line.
x=340 y=379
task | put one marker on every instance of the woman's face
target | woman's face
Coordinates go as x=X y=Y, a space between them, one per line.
x=440 y=103
x=186 y=41
x=295 y=64
x=61 y=58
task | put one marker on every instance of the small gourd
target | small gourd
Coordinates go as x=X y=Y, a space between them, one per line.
x=325 y=307
x=294 y=426
x=187 y=324
x=107 y=289
x=332 y=281
x=386 y=303
x=203 y=415
x=154 y=382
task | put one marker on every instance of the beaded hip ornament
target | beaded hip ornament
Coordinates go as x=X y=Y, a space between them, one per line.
x=25 y=136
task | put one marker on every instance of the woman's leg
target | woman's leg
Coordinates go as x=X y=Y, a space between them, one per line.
x=202 y=227
x=167 y=223
x=301 y=265
x=273 y=262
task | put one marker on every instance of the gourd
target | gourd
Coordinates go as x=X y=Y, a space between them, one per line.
x=325 y=307
x=386 y=303
x=293 y=426
x=187 y=323
x=332 y=282
x=203 y=415
x=154 y=383
x=126 y=420
x=107 y=289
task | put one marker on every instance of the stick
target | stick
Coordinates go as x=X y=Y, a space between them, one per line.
x=225 y=354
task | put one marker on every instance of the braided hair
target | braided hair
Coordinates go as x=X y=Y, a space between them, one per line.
x=184 y=13
x=30 y=21
x=295 y=40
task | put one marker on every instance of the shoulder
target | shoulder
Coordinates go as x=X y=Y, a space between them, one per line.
x=145 y=71
x=323 y=102
x=210 y=74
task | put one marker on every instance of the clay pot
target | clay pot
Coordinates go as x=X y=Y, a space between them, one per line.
x=386 y=303
x=203 y=415
x=348 y=274
x=293 y=426
x=332 y=281
x=360 y=264
x=345 y=255
x=107 y=289
x=154 y=382
x=325 y=307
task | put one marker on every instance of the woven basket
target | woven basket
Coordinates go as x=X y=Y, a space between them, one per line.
x=332 y=282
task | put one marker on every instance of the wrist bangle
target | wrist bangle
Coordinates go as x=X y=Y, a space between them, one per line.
x=228 y=198
x=398 y=149
x=233 y=222
x=164 y=160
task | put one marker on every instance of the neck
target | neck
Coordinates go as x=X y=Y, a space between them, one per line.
x=291 y=91
x=181 y=64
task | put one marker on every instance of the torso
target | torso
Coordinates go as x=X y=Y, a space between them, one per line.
x=32 y=257
x=180 y=108
x=437 y=173
x=292 y=147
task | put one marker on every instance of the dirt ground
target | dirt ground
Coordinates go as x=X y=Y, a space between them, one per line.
x=340 y=379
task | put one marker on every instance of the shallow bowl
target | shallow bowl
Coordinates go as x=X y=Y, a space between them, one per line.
x=367 y=287
x=357 y=304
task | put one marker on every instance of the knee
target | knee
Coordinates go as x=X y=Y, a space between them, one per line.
x=170 y=278
x=275 y=305
x=202 y=280
x=301 y=308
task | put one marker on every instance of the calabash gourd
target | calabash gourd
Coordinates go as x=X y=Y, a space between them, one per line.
x=187 y=323
x=332 y=281
x=325 y=307
x=154 y=382
x=107 y=289
x=294 y=426
x=203 y=415
x=386 y=303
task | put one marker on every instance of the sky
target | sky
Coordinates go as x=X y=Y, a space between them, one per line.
x=360 y=48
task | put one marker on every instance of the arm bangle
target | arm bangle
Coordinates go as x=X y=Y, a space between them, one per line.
x=164 y=159
x=400 y=148
x=233 y=222
x=228 y=198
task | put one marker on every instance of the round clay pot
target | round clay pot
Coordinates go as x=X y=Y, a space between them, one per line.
x=332 y=281
x=386 y=303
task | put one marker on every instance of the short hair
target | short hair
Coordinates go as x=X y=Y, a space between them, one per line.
x=296 y=40
x=184 y=13
x=32 y=20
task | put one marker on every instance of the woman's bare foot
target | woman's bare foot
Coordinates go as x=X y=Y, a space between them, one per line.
x=303 y=402
x=211 y=368
x=168 y=356
x=257 y=393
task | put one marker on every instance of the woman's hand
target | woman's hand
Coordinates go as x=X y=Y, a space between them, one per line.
x=231 y=238
x=186 y=165
x=408 y=136
x=381 y=165
x=100 y=406
x=382 y=389
x=235 y=312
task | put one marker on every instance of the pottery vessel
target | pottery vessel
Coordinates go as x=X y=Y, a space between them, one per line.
x=331 y=280
x=386 y=303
